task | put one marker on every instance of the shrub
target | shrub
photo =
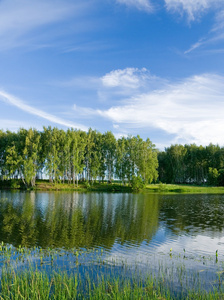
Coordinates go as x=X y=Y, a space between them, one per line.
x=137 y=183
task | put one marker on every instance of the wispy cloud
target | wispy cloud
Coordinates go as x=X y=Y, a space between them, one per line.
x=194 y=9
x=88 y=47
x=127 y=82
x=114 y=85
x=127 y=78
x=18 y=19
x=10 y=99
x=195 y=46
x=139 y=4
x=214 y=36
x=191 y=110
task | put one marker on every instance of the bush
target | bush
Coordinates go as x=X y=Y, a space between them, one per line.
x=137 y=183
x=162 y=187
x=87 y=184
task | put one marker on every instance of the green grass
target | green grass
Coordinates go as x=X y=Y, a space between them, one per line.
x=45 y=185
x=29 y=279
x=183 y=188
x=33 y=284
x=83 y=186
x=38 y=285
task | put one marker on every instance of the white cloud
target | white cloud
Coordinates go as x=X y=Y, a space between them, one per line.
x=186 y=111
x=215 y=35
x=126 y=78
x=194 y=46
x=193 y=8
x=139 y=4
x=191 y=110
x=114 y=84
x=129 y=80
x=21 y=17
x=10 y=99
x=219 y=24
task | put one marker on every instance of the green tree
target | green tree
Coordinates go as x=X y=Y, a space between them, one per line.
x=213 y=176
x=108 y=146
x=30 y=157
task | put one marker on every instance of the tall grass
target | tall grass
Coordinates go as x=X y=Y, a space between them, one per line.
x=33 y=284
x=34 y=274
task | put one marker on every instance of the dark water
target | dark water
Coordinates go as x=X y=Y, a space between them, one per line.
x=166 y=233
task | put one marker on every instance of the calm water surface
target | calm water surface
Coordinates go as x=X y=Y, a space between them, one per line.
x=135 y=230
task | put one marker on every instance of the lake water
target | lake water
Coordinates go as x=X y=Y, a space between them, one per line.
x=160 y=234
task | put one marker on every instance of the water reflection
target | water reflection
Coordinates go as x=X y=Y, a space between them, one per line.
x=193 y=214
x=69 y=220
x=77 y=220
x=136 y=230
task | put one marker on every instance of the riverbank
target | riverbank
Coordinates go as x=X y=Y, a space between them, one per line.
x=45 y=185
x=183 y=188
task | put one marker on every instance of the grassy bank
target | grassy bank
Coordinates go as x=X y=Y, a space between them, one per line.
x=183 y=188
x=45 y=185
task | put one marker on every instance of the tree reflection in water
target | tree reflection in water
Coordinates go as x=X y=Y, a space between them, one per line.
x=77 y=220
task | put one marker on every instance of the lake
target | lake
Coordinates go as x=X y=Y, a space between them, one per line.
x=162 y=234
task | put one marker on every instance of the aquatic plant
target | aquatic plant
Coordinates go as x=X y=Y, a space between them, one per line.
x=36 y=273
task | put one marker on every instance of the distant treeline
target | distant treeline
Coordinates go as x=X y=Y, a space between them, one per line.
x=75 y=155
x=192 y=164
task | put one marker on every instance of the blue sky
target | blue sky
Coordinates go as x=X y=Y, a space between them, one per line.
x=148 y=67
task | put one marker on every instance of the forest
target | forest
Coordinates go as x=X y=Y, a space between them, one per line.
x=76 y=155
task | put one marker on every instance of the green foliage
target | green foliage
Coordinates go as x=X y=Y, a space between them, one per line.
x=15 y=184
x=190 y=164
x=221 y=177
x=75 y=155
x=162 y=187
x=137 y=183
x=213 y=176
x=135 y=156
x=87 y=184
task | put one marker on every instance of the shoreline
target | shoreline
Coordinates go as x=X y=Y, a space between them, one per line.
x=160 y=188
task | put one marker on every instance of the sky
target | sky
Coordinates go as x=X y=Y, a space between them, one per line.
x=148 y=67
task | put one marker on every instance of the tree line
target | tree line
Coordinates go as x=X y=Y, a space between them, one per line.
x=192 y=164
x=75 y=155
